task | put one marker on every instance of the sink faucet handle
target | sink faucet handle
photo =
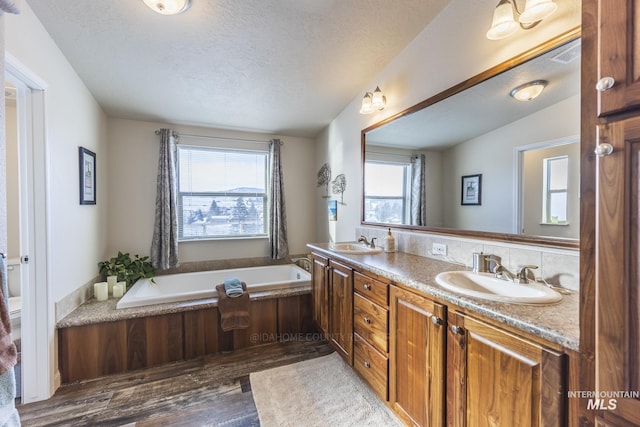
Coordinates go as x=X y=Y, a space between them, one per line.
x=522 y=273
x=373 y=242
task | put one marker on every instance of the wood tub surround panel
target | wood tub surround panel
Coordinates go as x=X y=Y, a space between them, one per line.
x=95 y=350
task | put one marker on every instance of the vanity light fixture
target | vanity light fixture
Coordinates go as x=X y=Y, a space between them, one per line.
x=528 y=91
x=373 y=101
x=534 y=12
x=168 y=7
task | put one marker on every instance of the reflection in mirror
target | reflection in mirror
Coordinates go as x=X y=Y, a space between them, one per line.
x=526 y=152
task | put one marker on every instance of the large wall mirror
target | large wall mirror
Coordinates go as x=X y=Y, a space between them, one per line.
x=475 y=161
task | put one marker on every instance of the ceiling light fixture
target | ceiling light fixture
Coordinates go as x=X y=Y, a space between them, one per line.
x=528 y=91
x=372 y=102
x=534 y=12
x=168 y=7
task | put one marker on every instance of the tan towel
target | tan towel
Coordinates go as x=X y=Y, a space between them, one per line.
x=234 y=312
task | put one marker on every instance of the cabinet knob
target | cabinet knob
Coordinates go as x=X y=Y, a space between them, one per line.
x=457 y=330
x=367 y=320
x=367 y=286
x=367 y=364
x=605 y=83
x=604 y=149
x=436 y=320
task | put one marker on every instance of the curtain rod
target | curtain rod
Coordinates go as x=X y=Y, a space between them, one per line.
x=157 y=132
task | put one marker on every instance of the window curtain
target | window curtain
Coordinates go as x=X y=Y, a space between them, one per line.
x=418 y=192
x=164 y=247
x=277 y=212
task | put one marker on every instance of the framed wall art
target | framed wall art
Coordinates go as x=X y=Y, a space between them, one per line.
x=87 y=177
x=471 y=190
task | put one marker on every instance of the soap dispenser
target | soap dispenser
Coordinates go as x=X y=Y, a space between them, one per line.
x=389 y=242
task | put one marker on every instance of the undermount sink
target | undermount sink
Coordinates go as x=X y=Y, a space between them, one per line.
x=354 y=248
x=487 y=286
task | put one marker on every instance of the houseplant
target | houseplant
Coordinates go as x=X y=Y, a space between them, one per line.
x=127 y=269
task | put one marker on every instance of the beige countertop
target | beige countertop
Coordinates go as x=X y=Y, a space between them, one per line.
x=556 y=323
x=94 y=311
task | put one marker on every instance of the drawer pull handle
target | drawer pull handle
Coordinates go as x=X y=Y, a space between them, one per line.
x=367 y=364
x=367 y=320
x=436 y=320
x=367 y=286
x=457 y=330
x=605 y=83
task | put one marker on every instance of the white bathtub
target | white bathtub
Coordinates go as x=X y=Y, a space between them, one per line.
x=202 y=284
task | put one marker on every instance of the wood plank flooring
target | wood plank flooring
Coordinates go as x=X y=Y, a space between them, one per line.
x=207 y=391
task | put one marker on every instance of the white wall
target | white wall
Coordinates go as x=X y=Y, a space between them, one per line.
x=451 y=48
x=78 y=234
x=133 y=156
x=12 y=176
x=492 y=155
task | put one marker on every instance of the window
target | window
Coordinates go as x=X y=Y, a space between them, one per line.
x=386 y=195
x=556 y=178
x=221 y=193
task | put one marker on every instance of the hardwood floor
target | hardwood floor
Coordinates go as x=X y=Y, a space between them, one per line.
x=207 y=391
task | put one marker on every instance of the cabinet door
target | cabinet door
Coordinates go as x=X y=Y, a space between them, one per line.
x=618 y=55
x=496 y=378
x=618 y=272
x=417 y=358
x=341 y=310
x=320 y=293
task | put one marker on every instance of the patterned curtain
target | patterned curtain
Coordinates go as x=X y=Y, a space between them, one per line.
x=164 y=247
x=9 y=6
x=277 y=212
x=418 y=192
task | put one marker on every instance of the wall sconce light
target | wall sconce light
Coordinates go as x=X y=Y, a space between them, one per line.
x=373 y=101
x=168 y=7
x=528 y=91
x=504 y=25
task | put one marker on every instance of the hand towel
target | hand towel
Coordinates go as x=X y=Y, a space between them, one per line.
x=233 y=287
x=8 y=356
x=234 y=312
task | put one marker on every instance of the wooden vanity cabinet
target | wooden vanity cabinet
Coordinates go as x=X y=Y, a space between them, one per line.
x=320 y=292
x=341 y=310
x=619 y=51
x=417 y=358
x=497 y=378
x=371 y=332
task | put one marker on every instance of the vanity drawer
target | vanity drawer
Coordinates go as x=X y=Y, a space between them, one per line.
x=371 y=322
x=372 y=366
x=373 y=289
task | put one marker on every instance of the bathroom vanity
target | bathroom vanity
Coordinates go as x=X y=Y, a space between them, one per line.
x=436 y=357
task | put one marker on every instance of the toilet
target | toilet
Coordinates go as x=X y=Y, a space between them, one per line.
x=15 y=298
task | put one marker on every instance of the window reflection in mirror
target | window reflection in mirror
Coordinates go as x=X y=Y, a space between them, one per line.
x=482 y=130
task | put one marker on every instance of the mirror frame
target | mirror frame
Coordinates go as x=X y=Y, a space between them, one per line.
x=558 y=242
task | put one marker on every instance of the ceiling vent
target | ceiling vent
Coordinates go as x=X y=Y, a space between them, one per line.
x=568 y=55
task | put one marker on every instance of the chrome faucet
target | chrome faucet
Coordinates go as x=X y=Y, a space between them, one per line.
x=521 y=276
x=364 y=240
x=304 y=260
x=501 y=272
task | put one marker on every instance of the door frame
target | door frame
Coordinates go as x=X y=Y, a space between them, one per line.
x=39 y=371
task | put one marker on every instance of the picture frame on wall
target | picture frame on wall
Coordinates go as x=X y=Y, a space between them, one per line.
x=332 y=206
x=87 y=167
x=471 y=192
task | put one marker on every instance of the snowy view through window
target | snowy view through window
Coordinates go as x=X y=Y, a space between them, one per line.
x=222 y=193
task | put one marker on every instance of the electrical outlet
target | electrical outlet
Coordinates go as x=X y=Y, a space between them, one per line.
x=439 y=249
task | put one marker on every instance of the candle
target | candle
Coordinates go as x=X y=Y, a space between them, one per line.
x=101 y=291
x=111 y=280
x=118 y=290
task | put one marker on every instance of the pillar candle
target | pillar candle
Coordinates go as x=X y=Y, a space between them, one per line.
x=118 y=290
x=101 y=291
x=111 y=280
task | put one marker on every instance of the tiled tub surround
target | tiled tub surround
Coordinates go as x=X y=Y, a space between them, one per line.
x=559 y=267
x=557 y=323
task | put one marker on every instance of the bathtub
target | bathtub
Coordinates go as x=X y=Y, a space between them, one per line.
x=201 y=285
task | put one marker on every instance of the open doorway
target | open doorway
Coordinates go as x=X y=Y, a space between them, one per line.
x=28 y=232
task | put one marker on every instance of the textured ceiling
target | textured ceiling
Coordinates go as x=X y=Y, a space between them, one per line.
x=276 y=66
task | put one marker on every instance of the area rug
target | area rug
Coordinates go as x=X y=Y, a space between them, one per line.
x=319 y=392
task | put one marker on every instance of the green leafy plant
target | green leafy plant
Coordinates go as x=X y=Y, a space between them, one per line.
x=128 y=269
